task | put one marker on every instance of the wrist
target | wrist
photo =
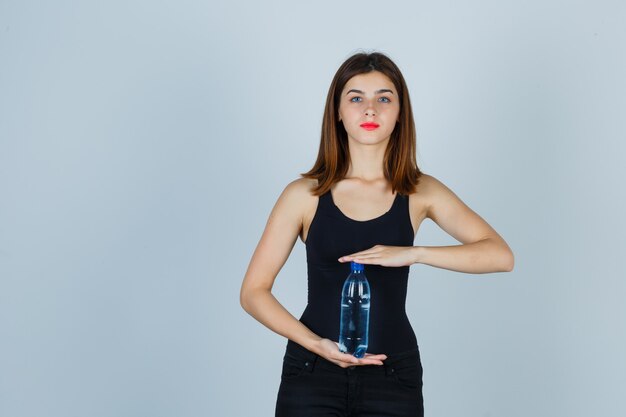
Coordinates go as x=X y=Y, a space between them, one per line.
x=418 y=254
x=314 y=345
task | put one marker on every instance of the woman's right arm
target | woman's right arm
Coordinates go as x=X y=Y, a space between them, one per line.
x=280 y=234
x=281 y=231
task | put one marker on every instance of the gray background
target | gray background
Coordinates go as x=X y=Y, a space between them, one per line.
x=143 y=145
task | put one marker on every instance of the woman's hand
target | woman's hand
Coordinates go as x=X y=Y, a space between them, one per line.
x=383 y=255
x=329 y=350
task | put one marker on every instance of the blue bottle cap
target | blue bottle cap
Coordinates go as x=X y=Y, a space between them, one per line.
x=356 y=266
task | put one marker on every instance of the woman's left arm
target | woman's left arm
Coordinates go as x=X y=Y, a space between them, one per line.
x=482 y=249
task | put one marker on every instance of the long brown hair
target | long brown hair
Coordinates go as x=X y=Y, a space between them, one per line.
x=333 y=158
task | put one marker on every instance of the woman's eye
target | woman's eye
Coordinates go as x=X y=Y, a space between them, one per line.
x=358 y=99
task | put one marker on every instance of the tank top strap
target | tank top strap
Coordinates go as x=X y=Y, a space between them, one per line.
x=325 y=203
x=405 y=212
x=404 y=199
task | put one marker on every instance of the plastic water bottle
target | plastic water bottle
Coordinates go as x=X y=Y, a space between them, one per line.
x=355 y=312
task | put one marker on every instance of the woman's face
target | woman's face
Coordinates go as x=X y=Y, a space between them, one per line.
x=369 y=98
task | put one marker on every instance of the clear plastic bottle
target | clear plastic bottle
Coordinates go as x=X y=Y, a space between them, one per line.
x=355 y=312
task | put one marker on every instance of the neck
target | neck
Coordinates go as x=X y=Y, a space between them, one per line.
x=366 y=161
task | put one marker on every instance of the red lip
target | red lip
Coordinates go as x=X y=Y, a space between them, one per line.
x=369 y=125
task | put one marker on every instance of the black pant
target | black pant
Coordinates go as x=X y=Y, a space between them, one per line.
x=312 y=386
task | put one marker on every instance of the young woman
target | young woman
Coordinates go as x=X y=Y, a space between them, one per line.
x=363 y=201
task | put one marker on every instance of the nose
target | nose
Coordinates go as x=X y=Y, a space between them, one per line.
x=369 y=111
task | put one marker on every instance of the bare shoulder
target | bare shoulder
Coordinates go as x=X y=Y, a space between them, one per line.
x=300 y=189
x=298 y=198
x=428 y=184
x=302 y=202
x=436 y=194
x=429 y=191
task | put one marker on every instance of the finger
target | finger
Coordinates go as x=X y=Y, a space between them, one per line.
x=368 y=261
x=377 y=357
x=368 y=359
x=349 y=257
x=358 y=362
x=361 y=253
x=369 y=362
x=371 y=254
x=361 y=257
x=353 y=361
x=380 y=356
x=368 y=257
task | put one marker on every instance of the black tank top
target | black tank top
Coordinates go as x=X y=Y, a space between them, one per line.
x=331 y=235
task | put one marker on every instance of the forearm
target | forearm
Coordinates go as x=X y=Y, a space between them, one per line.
x=484 y=256
x=264 y=307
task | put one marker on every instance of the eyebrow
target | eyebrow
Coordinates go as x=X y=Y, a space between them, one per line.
x=383 y=90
